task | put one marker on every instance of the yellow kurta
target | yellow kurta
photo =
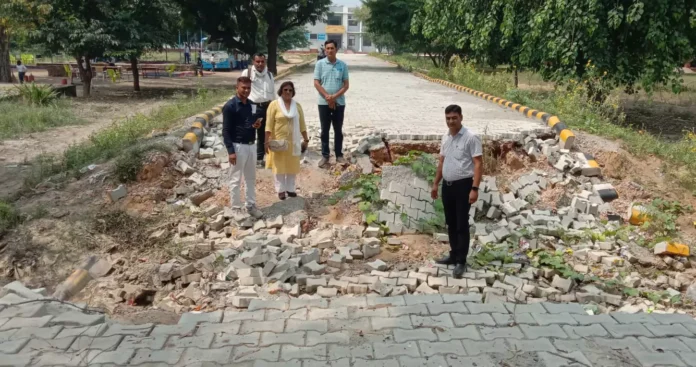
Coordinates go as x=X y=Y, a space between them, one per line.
x=283 y=163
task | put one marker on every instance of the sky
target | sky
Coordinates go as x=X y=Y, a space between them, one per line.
x=347 y=2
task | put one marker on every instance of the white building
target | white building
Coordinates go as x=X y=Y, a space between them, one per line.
x=342 y=27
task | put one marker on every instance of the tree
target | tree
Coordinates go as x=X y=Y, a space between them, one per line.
x=13 y=21
x=393 y=18
x=379 y=40
x=288 y=40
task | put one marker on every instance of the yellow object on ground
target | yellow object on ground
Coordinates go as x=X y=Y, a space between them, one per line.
x=282 y=163
x=671 y=248
x=637 y=214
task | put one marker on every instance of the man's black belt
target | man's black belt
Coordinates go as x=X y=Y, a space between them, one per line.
x=457 y=182
x=245 y=142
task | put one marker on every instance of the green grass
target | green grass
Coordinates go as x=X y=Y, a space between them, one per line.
x=578 y=112
x=9 y=217
x=18 y=118
x=114 y=140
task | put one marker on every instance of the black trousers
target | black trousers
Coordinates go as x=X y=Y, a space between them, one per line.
x=328 y=118
x=261 y=132
x=455 y=199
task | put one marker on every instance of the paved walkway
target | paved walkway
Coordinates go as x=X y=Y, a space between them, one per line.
x=412 y=330
x=383 y=97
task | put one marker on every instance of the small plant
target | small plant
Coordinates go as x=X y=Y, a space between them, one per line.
x=555 y=261
x=36 y=94
x=9 y=217
x=423 y=165
x=128 y=165
x=663 y=215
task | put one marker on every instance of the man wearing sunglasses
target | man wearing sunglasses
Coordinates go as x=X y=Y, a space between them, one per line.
x=331 y=81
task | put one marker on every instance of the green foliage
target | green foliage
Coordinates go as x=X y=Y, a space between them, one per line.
x=631 y=292
x=128 y=165
x=423 y=165
x=555 y=261
x=9 y=217
x=37 y=94
x=17 y=118
x=488 y=254
x=663 y=216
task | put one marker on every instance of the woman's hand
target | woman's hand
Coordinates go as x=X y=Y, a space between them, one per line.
x=304 y=145
x=267 y=146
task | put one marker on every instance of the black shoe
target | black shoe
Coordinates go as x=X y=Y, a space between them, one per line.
x=292 y=194
x=459 y=270
x=446 y=261
x=281 y=196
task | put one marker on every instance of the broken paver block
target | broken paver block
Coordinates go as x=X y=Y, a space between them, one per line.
x=118 y=193
x=309 y=256
x=493 y=213
x=562 y=284
x=380 y=288
x=342 y=285
x=671 y=248
x=420 y=277
x=314 y=268
x=596 y=256
x=378 y=265
x=441 y=237
x=356 y=254
x=425 y=289
x=393 y=241
x=327 y=292
x=370 y=251
x=612 y=261
x=371 y=232
x=198 y=198
x=276 y=222
x=314 y=283
x=606 y=192
x=357 y=288
x=410 y=283
x=437 y=282
x=336 y=260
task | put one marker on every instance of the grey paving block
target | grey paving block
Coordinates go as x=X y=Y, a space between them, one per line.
x=629 y=343
x=134 y=342
x=491 y=333
x=48 y=345
x=329 y=313
x=100 y=343
x=688 y=357
x=350 y=351
x=408 y=310
x=468 y=332
x=422 y=299
x=401 y=335
x=469 y=297
x=6 y=335
x=362 y=324
x=551 y=331
x=536 y=345
x=478 y=319
x=296 y=303
x=119 y=357
x=289 y=352
x=391 y=362
x=355 y=312
x=296 y=338
x=314 y=338
x=96 y=330
x=594 y=319
x=691 y=342
x=443 y=320
x=429 y=349
x=401 y=322
x=245 y=353
x=26 y=310
x=21 y=359
x=26 y=322
x=385 y=350
x=348 y=301
x=627 y=318
x=168 y=356
x=662 y=344
x=190 y=341
x=217 y=328
x=394 y=301
x=260 y=304
x=195 y=318
x=185 y=329
x=668 y=330
x=585 y=331
x=650 y=358
x=474 y=347
x=343 y=362
x=476 y=308
x=197 y=355
x=13 y=346
x=59 y=358
x=299 y=314
x=434 y=361
x=251 y=326
x=440 y=308
x=510 y=319
x=562 y=359
x=231 y=315
x=673 y=318
x=76 y=318
x=122 y=329
x=38 y=332
x=623 y=330
x=293 y=363
x=516 y=308
x=571 y=308
x=555 y=318
x=321 y=326
x=225 y=339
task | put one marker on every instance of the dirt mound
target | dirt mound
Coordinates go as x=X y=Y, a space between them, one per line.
x=616 y=164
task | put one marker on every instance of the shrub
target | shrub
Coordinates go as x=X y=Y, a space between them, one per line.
x=37 y=94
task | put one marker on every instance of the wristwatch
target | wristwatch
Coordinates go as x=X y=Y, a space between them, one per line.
x=475 y=188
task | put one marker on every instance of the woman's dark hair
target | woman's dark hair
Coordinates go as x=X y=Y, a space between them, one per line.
x=285 y=84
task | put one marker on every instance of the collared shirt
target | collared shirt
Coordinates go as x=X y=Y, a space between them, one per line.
x=237 y=118
x=21 y=69
x=262 y=87
x=331 y=76
x=459 y=152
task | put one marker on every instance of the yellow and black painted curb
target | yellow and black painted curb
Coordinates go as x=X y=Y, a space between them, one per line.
x=194 y=136
x=566 y=137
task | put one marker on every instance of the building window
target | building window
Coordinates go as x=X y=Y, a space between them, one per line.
x=352 y=22
x=351 y=41
x=334 y=19
x=312 y=36
x=366 y=41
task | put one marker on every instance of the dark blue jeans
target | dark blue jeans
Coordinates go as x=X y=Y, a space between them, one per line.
x=455 y=199
x=328 y=118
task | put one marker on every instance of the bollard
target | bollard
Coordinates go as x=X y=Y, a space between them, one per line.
x=76 y=281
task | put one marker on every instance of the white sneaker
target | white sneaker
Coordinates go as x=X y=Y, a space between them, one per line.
x=323 y=162
x=254 y=212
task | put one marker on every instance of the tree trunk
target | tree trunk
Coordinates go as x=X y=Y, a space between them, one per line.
x=86 y=75
x=5 y=67
x=517 y=78
x=136 y=76
x=272 y=34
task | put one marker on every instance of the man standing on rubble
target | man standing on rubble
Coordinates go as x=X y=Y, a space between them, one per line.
x=460 y=169
x=262 y=93
x=240 y=120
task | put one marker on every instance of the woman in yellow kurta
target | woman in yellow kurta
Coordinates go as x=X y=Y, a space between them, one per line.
x=285 y=121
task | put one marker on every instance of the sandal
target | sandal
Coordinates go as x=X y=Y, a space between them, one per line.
x=281 y=196
x=292 y=194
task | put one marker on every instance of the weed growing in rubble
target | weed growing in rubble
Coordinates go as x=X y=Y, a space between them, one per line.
x=128 y=165
x=423 y=165
x=663 y=216
x=9 y=217
x=554 y=261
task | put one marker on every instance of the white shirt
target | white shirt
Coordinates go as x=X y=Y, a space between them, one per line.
x=459 y=152
x=187 y=50
x=262 y=86
x=21 y=69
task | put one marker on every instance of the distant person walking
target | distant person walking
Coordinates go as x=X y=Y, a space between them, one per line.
x=240 y=120
x=331 y=81
x=460 y=169
x=187 y=53
x=285 y=125
x=262 y=93
x=21 y=71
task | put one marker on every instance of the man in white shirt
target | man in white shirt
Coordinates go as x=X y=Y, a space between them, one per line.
x=460 y=169
x=262 y=94
x=21 y=71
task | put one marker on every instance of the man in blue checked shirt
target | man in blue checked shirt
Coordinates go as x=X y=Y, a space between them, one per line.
x=331 y=81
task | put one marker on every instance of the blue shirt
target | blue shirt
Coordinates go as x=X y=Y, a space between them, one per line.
x=237 y=118
x=331 y=76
